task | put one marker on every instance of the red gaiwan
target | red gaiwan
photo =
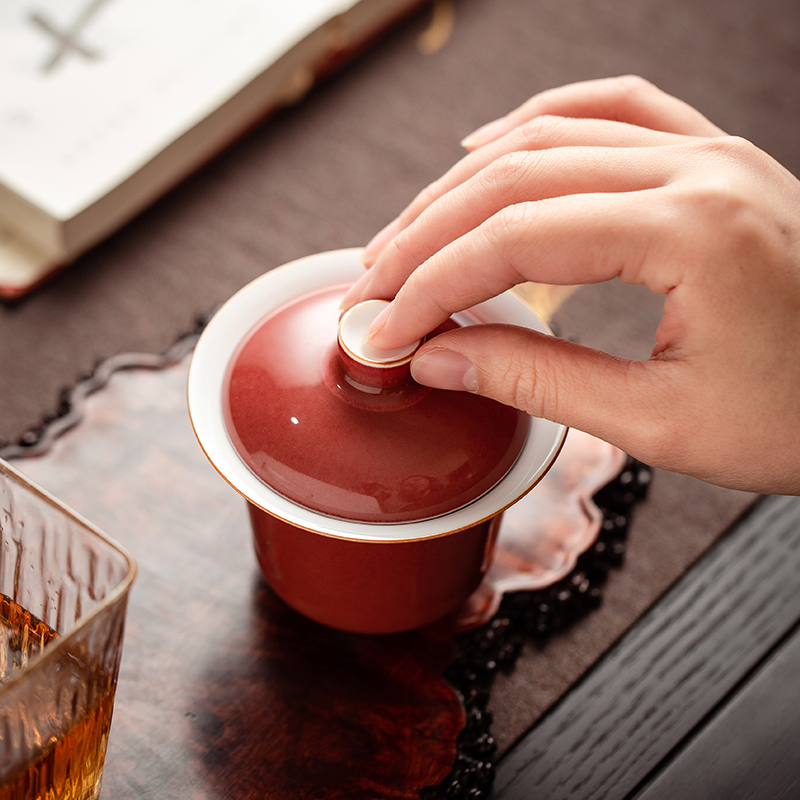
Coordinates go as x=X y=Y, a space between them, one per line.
x=375 y=501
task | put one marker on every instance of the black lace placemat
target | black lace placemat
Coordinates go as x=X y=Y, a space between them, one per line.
x=531 y=617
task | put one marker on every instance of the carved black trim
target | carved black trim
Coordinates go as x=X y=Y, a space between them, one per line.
x=68 y=413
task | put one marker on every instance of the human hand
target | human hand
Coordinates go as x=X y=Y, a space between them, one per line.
x=615 y=179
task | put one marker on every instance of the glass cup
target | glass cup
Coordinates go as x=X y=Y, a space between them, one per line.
x=63 y=596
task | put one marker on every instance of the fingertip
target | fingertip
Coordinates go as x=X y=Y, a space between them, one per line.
x=376 y=326
x=485 y=134
x=441 y=368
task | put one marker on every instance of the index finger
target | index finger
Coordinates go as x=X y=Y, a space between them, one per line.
x=541 y=133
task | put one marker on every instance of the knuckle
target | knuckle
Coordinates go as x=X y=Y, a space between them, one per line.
x=730 y=150
x=424 y=200
x=726 y=197
x=717 y=187
x=509 y=222
x=631 y=92
x=520 y=384
x=543 y=131
x=428 y=195
x=634 y=86
x=713 y=196
x=720 y=205
x=514 y=383
x=503 y=230
x=398 y=248
x=506 y=173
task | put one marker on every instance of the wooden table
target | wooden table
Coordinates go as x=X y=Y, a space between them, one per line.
x=222 y=685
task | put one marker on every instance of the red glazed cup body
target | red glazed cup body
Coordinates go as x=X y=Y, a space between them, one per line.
x=369 y=586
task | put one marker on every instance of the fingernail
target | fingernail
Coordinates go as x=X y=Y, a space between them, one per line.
x=377 y=325
x=486 y=133
x=444 y=369
x=354 y=293
x=379 y=241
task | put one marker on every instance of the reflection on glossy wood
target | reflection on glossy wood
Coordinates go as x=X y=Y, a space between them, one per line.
x=224 y=691
x=290 y=707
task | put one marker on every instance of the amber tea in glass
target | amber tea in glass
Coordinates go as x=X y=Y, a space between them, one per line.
x=63 y=596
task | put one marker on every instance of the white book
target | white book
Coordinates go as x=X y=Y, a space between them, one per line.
x=107 y=104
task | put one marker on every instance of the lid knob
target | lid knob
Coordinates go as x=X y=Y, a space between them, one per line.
x=365 y=364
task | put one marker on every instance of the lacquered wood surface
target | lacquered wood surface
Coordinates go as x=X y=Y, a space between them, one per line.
x=225 y=692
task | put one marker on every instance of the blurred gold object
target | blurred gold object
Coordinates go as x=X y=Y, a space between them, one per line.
x=544 y=298
x=436 y=35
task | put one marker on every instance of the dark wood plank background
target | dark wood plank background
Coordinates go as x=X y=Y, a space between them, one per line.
x=671 y=672
x=750 y=748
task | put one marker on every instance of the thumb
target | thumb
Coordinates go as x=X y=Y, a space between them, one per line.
x=606 y=396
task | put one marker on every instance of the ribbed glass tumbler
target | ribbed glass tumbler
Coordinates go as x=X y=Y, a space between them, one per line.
x=63 y=596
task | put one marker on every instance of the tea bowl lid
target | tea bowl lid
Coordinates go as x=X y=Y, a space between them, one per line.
x=342 y=429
